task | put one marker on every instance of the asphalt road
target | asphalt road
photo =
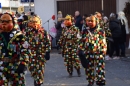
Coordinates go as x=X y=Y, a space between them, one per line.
x=117 y=73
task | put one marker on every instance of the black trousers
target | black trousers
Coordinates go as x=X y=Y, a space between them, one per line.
x=122 y=47
x=115 y=47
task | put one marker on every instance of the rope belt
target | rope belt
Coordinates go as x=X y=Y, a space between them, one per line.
x=6 y=59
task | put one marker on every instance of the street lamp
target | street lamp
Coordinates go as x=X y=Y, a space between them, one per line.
x=30 y=5
x=10 y=4
x=102 y=7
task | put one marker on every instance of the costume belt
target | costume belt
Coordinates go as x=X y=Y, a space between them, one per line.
x=70 y=41
x=6 y=59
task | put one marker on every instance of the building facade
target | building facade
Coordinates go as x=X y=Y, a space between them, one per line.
x=12 y=5
x=51 y=7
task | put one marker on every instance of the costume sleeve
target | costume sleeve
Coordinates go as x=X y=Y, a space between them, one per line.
x=102 y=46
x=47 y=41
x=107 y=30
x=83 y=41
x=26 y=33
x=77 y=36
x=24 y=53
x=60 y=41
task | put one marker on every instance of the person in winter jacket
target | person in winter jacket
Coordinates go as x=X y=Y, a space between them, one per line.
x=78 y=20
x=115 y=28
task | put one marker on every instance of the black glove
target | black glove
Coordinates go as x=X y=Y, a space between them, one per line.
x=83 y=59
x=21 y=68
x=47 y=56
x=62 y=55
x=81 y=53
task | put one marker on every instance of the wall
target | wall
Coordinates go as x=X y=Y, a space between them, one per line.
x=45 y=9
x=14 y=4
x=121 y=5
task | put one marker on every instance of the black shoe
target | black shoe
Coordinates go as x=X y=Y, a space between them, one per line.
x=70 y=75
x=35 y=84
x=90 y=85
x=38 y=84
x=99 y=83
x=79 y=73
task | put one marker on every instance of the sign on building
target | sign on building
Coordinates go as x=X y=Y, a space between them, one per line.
x=26 y=1
x=20 y=9
x=27 y=9
x=0 y=8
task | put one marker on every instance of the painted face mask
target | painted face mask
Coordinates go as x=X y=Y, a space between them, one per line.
x=6 y=23
x=87 y=20
x=68 y=21
x=36 y=22
x=92 y=22
x=30 y=24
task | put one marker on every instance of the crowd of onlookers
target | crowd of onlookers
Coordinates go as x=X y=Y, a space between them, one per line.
x=115 y=26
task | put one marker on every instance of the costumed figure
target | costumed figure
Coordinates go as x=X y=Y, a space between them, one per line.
x=125 y=32
x=93 y=46
x=108 y=36
x=69 y=42
x=40 y=47
x=14 y=54
x=59 y=27
x=98 y=16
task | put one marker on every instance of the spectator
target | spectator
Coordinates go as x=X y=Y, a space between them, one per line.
x=78 y=20
x=116 y=34
x=58 y=26
x=84 y=21
x=124 y=30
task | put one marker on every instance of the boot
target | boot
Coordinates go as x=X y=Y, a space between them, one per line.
x=78 y=72
x=70 y=75
x=90 y=85
x=99 y=83
x=35 y=84
x=38 y=84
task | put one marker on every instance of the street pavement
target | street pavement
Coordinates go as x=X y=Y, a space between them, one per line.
x=117 y=73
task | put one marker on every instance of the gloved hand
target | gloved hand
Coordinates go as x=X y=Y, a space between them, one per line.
x=58 y=47
x=47 y=56
x=81 y=53
x=62 y=55
x=21 y=68
x=83 y=59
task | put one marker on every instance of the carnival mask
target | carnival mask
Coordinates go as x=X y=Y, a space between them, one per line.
x=30 y=24
x=98 y=15
x=6 y=23
x=87 y=20
x=92 y=22
x=68 y=20
x=36 y=22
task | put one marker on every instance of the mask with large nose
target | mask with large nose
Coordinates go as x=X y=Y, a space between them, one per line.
x=6 y=23
x=36 y=22
x=92 y=23
x=68 y=21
